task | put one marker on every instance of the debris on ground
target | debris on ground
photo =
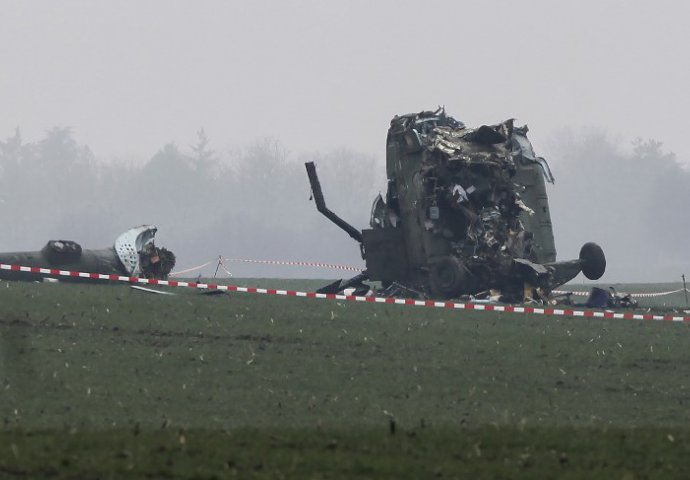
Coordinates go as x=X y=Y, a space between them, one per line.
x=465 y=212
x=134 y=254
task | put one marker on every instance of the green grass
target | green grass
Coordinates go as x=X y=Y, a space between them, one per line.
x=298 y=453
x=106 y=369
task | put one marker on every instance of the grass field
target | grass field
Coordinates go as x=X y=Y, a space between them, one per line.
x=102 y=381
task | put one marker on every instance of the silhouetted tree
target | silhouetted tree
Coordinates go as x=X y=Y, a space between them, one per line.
x=204 y=158
x=632 y=203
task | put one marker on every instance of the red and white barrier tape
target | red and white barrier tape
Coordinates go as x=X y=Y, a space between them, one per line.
x=570 y=292
x=656 y=294
x=330 y=296
x=635 y=295
x=330 y=266
x=192 y=269
x=221 y=262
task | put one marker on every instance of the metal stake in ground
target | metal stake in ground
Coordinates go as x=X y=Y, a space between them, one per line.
x=685 y=289
x=220 y=260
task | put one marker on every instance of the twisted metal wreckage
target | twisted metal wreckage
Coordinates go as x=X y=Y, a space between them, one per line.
x=465 y=213
x=134 y=254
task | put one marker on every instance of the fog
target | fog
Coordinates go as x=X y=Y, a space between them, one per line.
x=198 y=118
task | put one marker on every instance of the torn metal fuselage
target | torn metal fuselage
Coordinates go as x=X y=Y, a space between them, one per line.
x=134 y=254
x=466 y=211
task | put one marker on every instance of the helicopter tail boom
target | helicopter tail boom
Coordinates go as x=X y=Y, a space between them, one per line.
x=321 y=204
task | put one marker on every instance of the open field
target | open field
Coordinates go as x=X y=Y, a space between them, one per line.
x=283 y=387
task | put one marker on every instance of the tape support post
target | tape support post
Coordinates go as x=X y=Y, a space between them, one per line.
x=564 y=312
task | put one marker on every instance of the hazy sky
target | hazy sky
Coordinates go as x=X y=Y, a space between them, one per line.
x=130 y=76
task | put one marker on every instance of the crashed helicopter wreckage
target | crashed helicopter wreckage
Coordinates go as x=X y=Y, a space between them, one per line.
x=465 y=212
x=133 y=254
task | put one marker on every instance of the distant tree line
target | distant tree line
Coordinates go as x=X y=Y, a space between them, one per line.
x=253 y=201
x=634 y=203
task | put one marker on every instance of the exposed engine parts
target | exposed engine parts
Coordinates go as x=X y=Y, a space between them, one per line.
x=465 y=212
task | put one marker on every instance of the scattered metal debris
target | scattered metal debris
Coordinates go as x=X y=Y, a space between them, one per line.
x=465 y=212
x=150 y=290
x=213 y=293
x=601 y=298
x=621 y=299
x=133 y=254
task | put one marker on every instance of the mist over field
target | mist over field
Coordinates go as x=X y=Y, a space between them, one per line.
x=198 y=118
x=254 y=202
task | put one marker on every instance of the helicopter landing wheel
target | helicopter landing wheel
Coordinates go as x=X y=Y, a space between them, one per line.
x=446 y=277
x=593 y=261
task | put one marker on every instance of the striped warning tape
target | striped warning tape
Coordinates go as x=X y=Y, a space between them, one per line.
x=219 y=265
x=570 y=292
x=331 y=266
x=192 y=269
x=221 y=262
x=657 y=294
x=636 y=295
x=566 y=312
